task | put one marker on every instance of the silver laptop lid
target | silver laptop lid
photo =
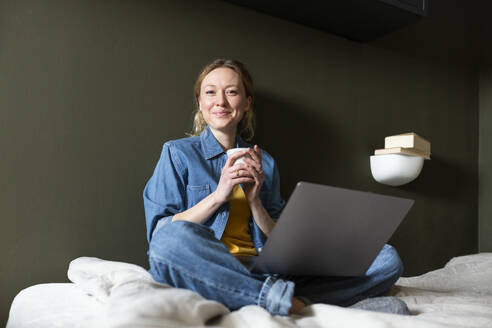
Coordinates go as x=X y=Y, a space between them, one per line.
x=330 y=231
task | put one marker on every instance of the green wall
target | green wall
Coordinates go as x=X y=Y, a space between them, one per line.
x=485 y=131
x=485 y=161
x=89 y=91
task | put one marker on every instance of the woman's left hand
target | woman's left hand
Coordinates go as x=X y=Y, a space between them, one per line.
x=254 y=167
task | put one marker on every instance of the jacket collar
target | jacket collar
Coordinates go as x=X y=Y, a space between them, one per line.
x=211 y=147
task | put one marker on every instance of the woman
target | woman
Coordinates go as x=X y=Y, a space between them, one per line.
x=206 y=214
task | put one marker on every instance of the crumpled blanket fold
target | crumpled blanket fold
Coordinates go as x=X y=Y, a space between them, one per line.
x=109 y=294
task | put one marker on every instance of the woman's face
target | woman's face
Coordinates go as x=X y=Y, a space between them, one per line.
x=223 y=100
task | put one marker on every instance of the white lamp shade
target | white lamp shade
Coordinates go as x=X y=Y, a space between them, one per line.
x=396 y=169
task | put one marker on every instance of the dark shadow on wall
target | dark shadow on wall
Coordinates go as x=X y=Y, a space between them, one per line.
x=440 y=178
x=299 y=139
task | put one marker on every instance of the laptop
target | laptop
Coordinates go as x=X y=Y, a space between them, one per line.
x=330 y=231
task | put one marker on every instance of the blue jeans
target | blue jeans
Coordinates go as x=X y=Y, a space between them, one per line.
x=187 y=255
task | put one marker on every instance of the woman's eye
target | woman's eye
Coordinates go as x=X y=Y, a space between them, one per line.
x=209 y=92
x=232 y=92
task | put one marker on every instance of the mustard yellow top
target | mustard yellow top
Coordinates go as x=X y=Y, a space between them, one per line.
x=236 y=235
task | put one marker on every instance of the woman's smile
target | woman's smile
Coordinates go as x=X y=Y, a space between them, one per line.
x=221 y=113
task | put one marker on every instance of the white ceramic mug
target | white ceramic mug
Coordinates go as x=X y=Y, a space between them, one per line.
x=240 y=159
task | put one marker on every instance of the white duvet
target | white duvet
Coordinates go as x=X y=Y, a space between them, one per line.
x=115 y=294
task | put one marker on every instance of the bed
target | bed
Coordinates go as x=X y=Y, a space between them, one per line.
x=116 y=294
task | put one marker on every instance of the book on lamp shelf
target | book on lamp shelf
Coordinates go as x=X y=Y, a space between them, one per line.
x=402 y=150
x=408 y=140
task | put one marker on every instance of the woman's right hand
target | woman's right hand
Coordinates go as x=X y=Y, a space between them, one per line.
x=232 y=175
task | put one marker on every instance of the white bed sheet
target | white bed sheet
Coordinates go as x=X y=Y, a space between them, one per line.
x=115 y=294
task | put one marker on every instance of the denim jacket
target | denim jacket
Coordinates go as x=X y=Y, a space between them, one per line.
x=188 y=170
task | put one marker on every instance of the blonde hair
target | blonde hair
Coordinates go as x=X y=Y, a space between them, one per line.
x=246 y=127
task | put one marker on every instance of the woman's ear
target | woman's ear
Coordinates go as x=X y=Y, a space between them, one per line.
x=249 y=103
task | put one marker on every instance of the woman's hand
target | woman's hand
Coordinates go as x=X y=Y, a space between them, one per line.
x=232 y=175
x=255 y=170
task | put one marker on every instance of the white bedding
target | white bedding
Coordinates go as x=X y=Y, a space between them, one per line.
x=115 y=294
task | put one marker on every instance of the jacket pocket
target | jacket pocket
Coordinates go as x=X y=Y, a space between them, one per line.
x=196 y=194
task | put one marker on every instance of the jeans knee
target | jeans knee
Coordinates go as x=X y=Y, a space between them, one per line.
x=394 y=265
x=166 y=241
x=387 y=265
x=166 y=247
x=182 y=239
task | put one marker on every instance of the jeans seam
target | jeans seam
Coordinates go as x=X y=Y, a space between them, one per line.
x=181 y=270
x=267 y=284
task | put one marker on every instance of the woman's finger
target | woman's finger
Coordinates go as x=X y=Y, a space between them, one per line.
x=255 y=165
x=242 y=180
x=258 y=153
x=238 y=172
x=231 y=159
x=254 y=155
x=254 y=173
x=251 y=162
x=237 y=167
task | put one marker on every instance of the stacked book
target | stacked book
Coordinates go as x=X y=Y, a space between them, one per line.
x=407 y=144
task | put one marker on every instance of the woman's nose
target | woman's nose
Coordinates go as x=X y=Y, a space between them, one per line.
x=221 y=98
